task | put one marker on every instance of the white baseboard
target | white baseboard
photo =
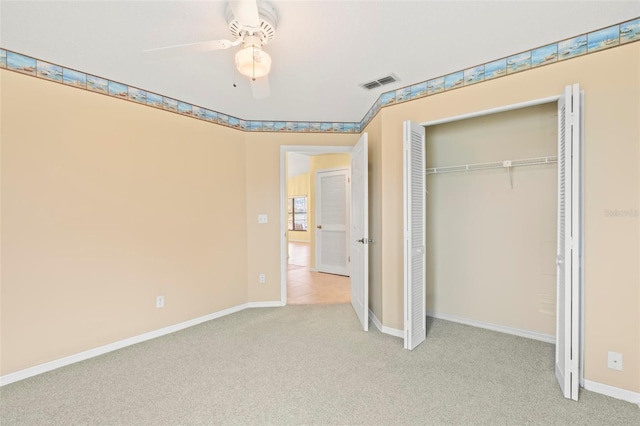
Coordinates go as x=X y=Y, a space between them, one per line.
x=383 y=329
x=612 y=391
x=375 y=320
x=272 y=304
x=71 y=359
x=495 y=327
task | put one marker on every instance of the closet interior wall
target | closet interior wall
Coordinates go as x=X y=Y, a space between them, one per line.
x=491 y=248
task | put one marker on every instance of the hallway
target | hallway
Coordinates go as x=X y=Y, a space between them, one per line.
x=305 y=287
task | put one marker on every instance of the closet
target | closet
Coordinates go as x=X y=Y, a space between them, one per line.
x=493 y=224
x=490 y=229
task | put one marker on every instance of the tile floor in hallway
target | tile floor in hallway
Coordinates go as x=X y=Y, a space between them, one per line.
x=305 y=287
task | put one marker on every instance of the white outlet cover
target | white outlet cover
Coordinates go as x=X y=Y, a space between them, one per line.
x=263 y=218
x=160 y=302
x=614 y=360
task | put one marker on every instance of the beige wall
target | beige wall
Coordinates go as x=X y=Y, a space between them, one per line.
x=105 y=205
x=124 y=202
x=328 y=161
x=298 y=186
x=491 y=248
x=612 y=142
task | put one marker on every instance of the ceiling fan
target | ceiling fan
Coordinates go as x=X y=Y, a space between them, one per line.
x=253 y=24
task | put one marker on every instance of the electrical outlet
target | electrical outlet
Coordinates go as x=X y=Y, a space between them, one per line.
x=263 y=218
x=160 y=302
x=614 y=361
x=262 y=278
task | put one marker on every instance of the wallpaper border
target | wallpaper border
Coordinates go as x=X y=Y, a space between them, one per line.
x=595 y=41
x=583 y=44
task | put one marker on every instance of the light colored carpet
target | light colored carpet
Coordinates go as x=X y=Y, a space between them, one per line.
x=311 y=365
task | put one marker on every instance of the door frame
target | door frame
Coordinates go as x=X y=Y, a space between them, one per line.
x=534 y=102
x=299 y=149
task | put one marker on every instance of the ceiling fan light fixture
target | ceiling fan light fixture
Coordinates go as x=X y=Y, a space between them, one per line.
x=253 y=62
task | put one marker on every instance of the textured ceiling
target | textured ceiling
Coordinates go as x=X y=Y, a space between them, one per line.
x=321 y=52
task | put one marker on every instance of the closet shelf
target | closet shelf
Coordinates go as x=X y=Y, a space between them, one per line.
x=493 y=165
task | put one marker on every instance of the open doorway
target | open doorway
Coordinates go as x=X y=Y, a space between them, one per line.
x=355 y=240
x=307 y=287
x=311 y=277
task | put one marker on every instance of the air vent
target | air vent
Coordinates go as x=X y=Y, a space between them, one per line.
x=388 y=79
x=371 y=85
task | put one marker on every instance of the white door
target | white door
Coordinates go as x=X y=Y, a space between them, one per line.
x=359 y=243
x=415 y=321
x=568 y=254
x=332 y=221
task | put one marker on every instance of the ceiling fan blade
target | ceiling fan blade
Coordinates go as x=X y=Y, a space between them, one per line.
x=190 y=48
x=260 y=88
x=246 y=12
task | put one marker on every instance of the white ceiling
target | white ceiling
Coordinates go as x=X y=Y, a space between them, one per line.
x=298 y=163
x=321 y=52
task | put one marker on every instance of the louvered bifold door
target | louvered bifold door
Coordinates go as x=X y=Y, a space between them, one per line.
x=568 y=228
x=415 y=321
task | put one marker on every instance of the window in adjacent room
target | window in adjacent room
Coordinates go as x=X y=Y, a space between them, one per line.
x=297 y=213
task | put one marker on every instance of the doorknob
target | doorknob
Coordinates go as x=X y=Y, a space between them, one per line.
x=361 y=240
x=319 y=226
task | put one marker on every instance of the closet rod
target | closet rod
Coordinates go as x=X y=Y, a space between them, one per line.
x=493 y=165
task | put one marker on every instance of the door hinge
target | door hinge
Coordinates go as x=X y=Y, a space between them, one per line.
x=348 y=258
x=348 y=180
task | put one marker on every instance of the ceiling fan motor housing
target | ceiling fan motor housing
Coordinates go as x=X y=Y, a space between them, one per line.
x=266 y=30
